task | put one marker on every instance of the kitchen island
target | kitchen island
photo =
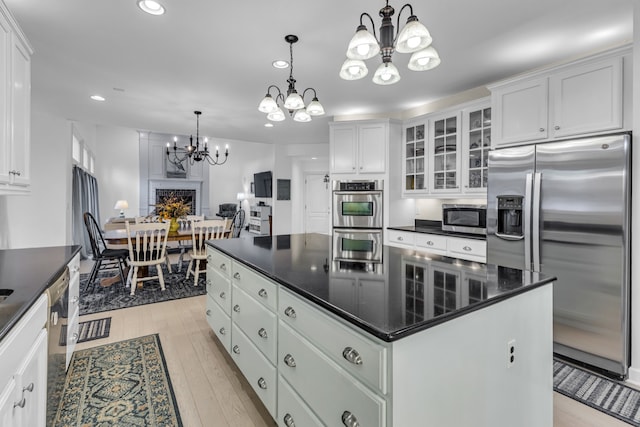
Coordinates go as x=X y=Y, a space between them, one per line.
x=416 y=338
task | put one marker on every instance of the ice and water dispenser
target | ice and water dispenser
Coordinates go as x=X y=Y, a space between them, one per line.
x=510 y=215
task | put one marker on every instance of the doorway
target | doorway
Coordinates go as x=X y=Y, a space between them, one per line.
x=317 y=203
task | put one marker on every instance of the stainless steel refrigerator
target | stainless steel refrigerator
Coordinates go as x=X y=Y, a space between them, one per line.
x=563 y=208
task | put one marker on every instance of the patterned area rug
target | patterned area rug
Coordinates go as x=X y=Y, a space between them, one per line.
x=120 y=384
x=97 y=299
x=88 y=331
x=601 y=393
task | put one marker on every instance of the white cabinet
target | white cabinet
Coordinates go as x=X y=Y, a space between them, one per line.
x=444 y=153
x=23 y=377
x=15 y=108
x=259 y=219
x=576 y=99
x=476 y=143
x=73 y=306
x=358 y=147
x=454 y=247
x=415 y=158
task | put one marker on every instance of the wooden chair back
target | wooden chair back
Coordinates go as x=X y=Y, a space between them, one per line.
x=202 y=231
x=147 y=242
x=187 y=221
x=95 y=235
x=148 y=219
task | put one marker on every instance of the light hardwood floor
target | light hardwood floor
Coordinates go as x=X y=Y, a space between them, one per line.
x=212 y=392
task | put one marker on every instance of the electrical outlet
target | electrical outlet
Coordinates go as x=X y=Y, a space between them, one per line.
x=511 y=353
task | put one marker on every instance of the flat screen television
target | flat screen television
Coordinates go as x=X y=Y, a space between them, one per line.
x=262 y=182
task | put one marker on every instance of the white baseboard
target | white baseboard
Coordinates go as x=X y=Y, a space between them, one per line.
x=634 y=376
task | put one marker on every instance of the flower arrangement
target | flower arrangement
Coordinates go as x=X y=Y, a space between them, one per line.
x=172 y=207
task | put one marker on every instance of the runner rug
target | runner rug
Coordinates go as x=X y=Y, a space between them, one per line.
x=120 y=384
x=88 y=331
x=601 y=393
x=96 y=298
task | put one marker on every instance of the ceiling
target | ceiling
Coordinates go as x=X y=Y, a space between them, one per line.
x=216 y=57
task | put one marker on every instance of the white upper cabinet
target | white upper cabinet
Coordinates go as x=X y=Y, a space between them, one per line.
x=358 y=148
x=476 y=143
x=576 y=99
x=15 y=106
x=445 y=150
x=415 y=162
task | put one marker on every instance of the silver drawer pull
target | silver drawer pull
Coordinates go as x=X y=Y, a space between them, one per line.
x=75 y=269
x=263 y=333
x=290 y=361
x=262 y=383
x=288 y=421
x=75 y=299
x=352 y=356
x=467 y=248
x=557 y=127
x=21 y=403
x=430 y=243
x=236 y=276
x=236 y=349
x=400 y=239
x=262 y=293
x=222 y=331
x=28 y=388
x=289 y=311
x=74 y=337
x=223 y=266
x=208 y=312
x=223 y=295
x=541 y=129
x=349 y=420
x=236 y=308
x=208 y=258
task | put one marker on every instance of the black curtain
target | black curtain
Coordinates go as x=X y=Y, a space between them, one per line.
x=84 y=199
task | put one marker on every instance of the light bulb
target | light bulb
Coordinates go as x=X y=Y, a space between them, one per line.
x=363 y=49
x=413 y=42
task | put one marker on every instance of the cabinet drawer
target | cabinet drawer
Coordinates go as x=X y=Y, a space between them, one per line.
x=256 y=321
x=219 y=288
x=258 y=371
x=219 y=322
x=219 y=262
x=432 y=243
x=474 y=250
x=401 y=238
x=255 y=285
x=354 y=352
x=292 y=411
x=324 y=385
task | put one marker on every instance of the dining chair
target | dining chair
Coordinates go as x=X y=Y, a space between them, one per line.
x=147 y=244
x=152 y=219
x=202 y=231
x=104 y=258
x=237 y=222
x=185 y=245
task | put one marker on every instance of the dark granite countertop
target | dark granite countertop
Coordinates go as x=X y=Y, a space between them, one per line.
x=28 y=272
x=434 y=227
x=408 y=292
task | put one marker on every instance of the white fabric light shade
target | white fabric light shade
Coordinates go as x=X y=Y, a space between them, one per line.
x=353 y=69
x=276 y=116
x=363 y=45
x=386 y=74
x=413 y=37
x=301 y=115
x=293 y=102
x=425 y=59
x=315 y=108
x=121 y=204
x=267 y=105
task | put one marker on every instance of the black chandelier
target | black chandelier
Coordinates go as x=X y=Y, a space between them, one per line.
x=293 y=102
x=413 y=38
x=193 y=152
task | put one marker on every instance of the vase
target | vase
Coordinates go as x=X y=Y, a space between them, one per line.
x=173 y=225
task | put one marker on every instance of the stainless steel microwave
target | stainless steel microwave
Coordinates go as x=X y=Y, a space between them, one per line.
x=464 y=218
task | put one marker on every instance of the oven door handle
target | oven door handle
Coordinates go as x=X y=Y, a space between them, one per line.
x=354 y=193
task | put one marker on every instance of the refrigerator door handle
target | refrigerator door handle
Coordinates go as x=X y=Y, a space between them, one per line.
x=508 y=237
x=537 y=181
x=526 y=224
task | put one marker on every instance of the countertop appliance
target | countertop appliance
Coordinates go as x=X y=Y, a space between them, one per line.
x=563 y=209
x=464 y=218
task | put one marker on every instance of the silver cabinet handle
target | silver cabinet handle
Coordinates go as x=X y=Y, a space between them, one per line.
x=288 y=421
x=74 y=337
x=208 y=312
x=18 y=174
x=223 y=295
x=223 y=267
x=289 y=311
x=222 y=331
x=208 y=258
x=263 y=333
x=290 y=361
x=430 y=243
x=262 y=383
x=21 y=403
x=352 y=356
x=400 y=239
x=467 y=248
x=28 y=388
x=557 y=127
x=541 y=129
x=75 y=269
x=75 y=299
x=236 y=308
x=262 y=293
x=349 y=420
x=236 y=349
x=236 y=276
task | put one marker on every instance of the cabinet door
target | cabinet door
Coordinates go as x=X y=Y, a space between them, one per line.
x=414 y=167
x=9 y=414
x=5 y=87
x=444 y=295
x=520 y=112
x=588 y=98
x=476 y=145
x=33 y=383
x=372 y=144
x=474 y=288
x=343 y=149
x=445 y=154
x=20 y=112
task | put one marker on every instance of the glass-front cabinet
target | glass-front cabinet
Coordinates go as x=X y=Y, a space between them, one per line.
x=415 y=160
x=445 y=153
x=477 y=142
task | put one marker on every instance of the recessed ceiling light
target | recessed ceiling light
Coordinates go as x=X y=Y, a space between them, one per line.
x=152 y=7
x=97 y=98
x=280 y=63
x=268 y=125
x=314 y=158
